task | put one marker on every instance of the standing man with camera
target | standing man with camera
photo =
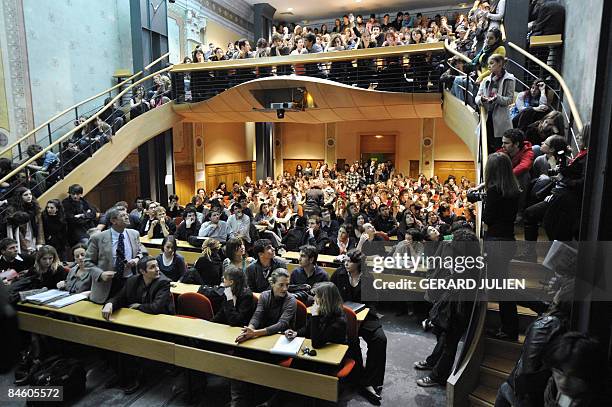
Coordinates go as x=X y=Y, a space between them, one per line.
x=112 y=256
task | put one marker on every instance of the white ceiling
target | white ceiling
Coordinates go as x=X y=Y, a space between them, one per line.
x=324 y=9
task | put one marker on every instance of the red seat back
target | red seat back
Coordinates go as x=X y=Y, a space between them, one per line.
x=195 y=305
x=300 y=315
x=352 y=327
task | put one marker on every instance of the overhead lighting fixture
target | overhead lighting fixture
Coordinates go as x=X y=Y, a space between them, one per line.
x=463 y=5
x=290 y=9
x=357 y=1
x=378 y=136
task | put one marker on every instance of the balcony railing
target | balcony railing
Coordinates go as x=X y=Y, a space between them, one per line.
x=408 y=68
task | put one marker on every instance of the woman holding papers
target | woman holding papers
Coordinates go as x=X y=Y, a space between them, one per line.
x=78 y=279
x=239 y=303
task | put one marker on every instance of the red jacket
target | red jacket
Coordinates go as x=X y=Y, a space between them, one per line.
x=523 y=160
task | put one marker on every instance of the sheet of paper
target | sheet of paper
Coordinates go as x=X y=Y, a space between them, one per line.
x=62 y=302
x=286 y=347
x=47 y=296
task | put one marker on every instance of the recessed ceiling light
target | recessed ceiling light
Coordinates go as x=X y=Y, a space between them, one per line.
x=357 y=1
x=463 y=5
x=378 y=136
x=290 y=9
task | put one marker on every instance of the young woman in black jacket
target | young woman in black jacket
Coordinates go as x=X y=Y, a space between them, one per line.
x=54 y=226
x=239 y=304
x=327 y=323
x=500 y=206
x=348 y=280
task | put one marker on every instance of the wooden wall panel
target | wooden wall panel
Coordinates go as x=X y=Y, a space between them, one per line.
x=184 y=182
x=457 y=168
x=228 y=173
x=289 y=164
x=122 y=184
x=370 y=144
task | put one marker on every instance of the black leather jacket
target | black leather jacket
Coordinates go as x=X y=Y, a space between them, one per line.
x=529 y=376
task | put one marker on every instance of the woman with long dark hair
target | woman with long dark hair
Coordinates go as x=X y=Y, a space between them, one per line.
x=500 y=198
x=239 y=303
x=30 y=233
x=348 y=280
x=170 y=262
x=54 y=225
x=235 y=255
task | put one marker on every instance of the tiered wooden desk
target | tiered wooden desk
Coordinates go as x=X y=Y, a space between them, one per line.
x=233 y=367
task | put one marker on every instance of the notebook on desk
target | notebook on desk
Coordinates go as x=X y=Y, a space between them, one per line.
x=47 y=296
x=355 y=306
x=286 y=347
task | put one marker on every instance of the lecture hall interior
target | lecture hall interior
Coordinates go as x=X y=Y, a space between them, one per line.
x=287 y=203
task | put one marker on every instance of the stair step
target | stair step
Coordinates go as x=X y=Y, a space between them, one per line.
x=524 y=269
x=491 y=377
x=476 y=402
x=506 y=349
x=498 y=363
x=483 y=396
x=493 y=306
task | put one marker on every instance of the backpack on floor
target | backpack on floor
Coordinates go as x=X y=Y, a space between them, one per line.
x=65 y=372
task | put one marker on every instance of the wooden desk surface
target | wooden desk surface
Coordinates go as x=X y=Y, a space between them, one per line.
x=182 y=288
x=322 y=258
x=261 y=373
x=192 y=328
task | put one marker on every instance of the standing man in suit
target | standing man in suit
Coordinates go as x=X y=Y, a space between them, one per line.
x=112 y=257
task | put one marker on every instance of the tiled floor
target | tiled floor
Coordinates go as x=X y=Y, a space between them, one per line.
x=164 y=386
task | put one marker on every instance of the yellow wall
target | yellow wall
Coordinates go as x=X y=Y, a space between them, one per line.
x=448 y=146
x=303 y=141
x=225 y=143
x=407 y=139
x=307 y=141
x=219 y=35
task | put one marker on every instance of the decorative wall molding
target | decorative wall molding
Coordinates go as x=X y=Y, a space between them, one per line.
x=227 y=14
x=239 y=20
x=428 y=135
x=194 y=23
x=17 y=81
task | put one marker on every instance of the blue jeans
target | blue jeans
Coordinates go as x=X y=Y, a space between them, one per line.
x=505 y=396
x=458 y=88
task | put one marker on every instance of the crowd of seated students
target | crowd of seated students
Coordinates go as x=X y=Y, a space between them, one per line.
x=349 y=33
x=335 y=211
x=316 y=210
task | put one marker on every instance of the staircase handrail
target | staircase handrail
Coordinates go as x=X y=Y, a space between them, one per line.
x=80 y=126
